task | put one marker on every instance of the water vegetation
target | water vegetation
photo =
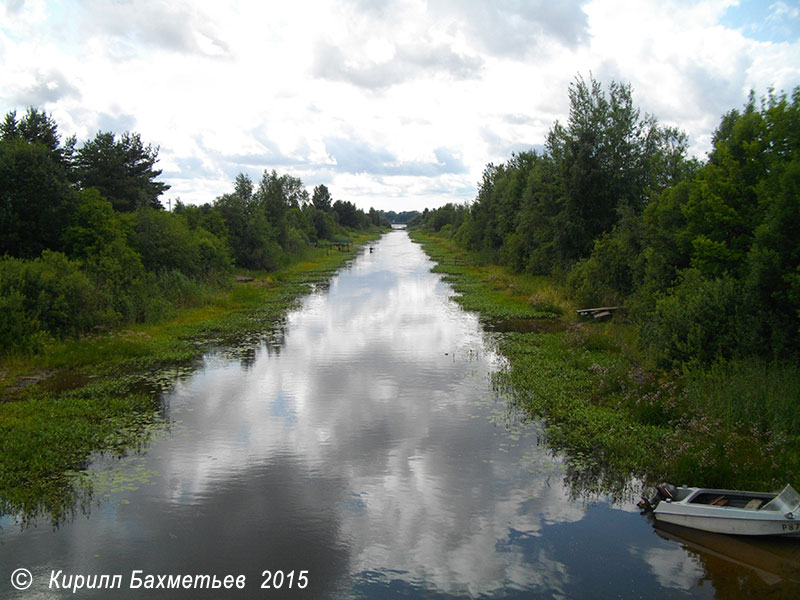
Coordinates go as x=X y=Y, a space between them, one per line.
x=613 y=415
x=100 y=393
x=106 y=297
x=697 y=380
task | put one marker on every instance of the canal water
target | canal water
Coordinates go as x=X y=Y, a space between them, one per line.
x=362 y=453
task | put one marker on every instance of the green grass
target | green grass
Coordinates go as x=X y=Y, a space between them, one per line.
x=731 y=425
x=98 y=394
x=764 y=394
x=492 y=290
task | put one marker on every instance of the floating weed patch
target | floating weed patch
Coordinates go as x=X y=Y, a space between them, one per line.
x=119 y=480
x=564 y=373
x=102 y=392
x=567 y=388
x=617 y=426
x=44 y=439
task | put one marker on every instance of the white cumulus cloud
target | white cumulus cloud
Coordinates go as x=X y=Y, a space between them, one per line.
x=397 y=105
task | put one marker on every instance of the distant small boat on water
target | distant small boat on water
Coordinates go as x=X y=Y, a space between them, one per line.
x=727 y=511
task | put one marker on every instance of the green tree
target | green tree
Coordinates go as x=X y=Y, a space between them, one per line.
x=166 y=243
x=347 y=214
x=252 y=238
x=729 y=238
x=608 y=156
x=98 y=237
x=243 y=187
x=377 y=218
x=37 y=127
x=321 y=198
x=276 y=194
x=323 y=224
x=205 y=216
x=36 y=197
x=123 y=170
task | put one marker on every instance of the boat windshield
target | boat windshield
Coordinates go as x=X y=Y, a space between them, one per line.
x=787 y=501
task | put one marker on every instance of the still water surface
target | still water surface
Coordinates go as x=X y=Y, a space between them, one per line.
x=364 y=446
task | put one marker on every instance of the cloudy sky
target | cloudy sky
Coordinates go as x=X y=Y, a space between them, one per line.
x=397 y=104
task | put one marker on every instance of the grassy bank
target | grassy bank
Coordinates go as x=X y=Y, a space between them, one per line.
x=100 y=393
x=730 y=425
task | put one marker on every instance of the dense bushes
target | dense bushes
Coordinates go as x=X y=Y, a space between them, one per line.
x=165 y=242
x=46 y=295
x=699 y=319
x=731 y=242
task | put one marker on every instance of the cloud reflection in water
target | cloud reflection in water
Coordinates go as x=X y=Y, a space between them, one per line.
x=368 y=449
x=377 y=384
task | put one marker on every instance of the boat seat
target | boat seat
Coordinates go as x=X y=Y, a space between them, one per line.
x=754 y=504
x=719 y=501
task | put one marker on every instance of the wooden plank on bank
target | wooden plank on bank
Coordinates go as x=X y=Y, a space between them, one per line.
x=602 y=312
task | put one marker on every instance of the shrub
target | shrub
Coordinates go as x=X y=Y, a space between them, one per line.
x=177 y=288
x=19 y=331
x=164 y=241
x=700 y=319
x=49 y=294
x=59 y=295
x=213 y=253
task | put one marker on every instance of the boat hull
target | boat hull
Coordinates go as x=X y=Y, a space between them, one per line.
x=733 y=512
x=779 y=526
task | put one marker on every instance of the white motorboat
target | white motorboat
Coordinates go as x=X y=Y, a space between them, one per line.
x=728 y=511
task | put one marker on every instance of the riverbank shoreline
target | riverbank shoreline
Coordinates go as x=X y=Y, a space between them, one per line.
x=101 y=393
x=615 y=420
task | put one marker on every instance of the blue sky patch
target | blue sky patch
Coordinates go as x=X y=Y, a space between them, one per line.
x=765 y=21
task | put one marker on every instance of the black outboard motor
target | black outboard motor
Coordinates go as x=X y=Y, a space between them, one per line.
x=664 y=491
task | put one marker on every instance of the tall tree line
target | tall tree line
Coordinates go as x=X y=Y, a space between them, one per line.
x=86 y=243
x=704 y=254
